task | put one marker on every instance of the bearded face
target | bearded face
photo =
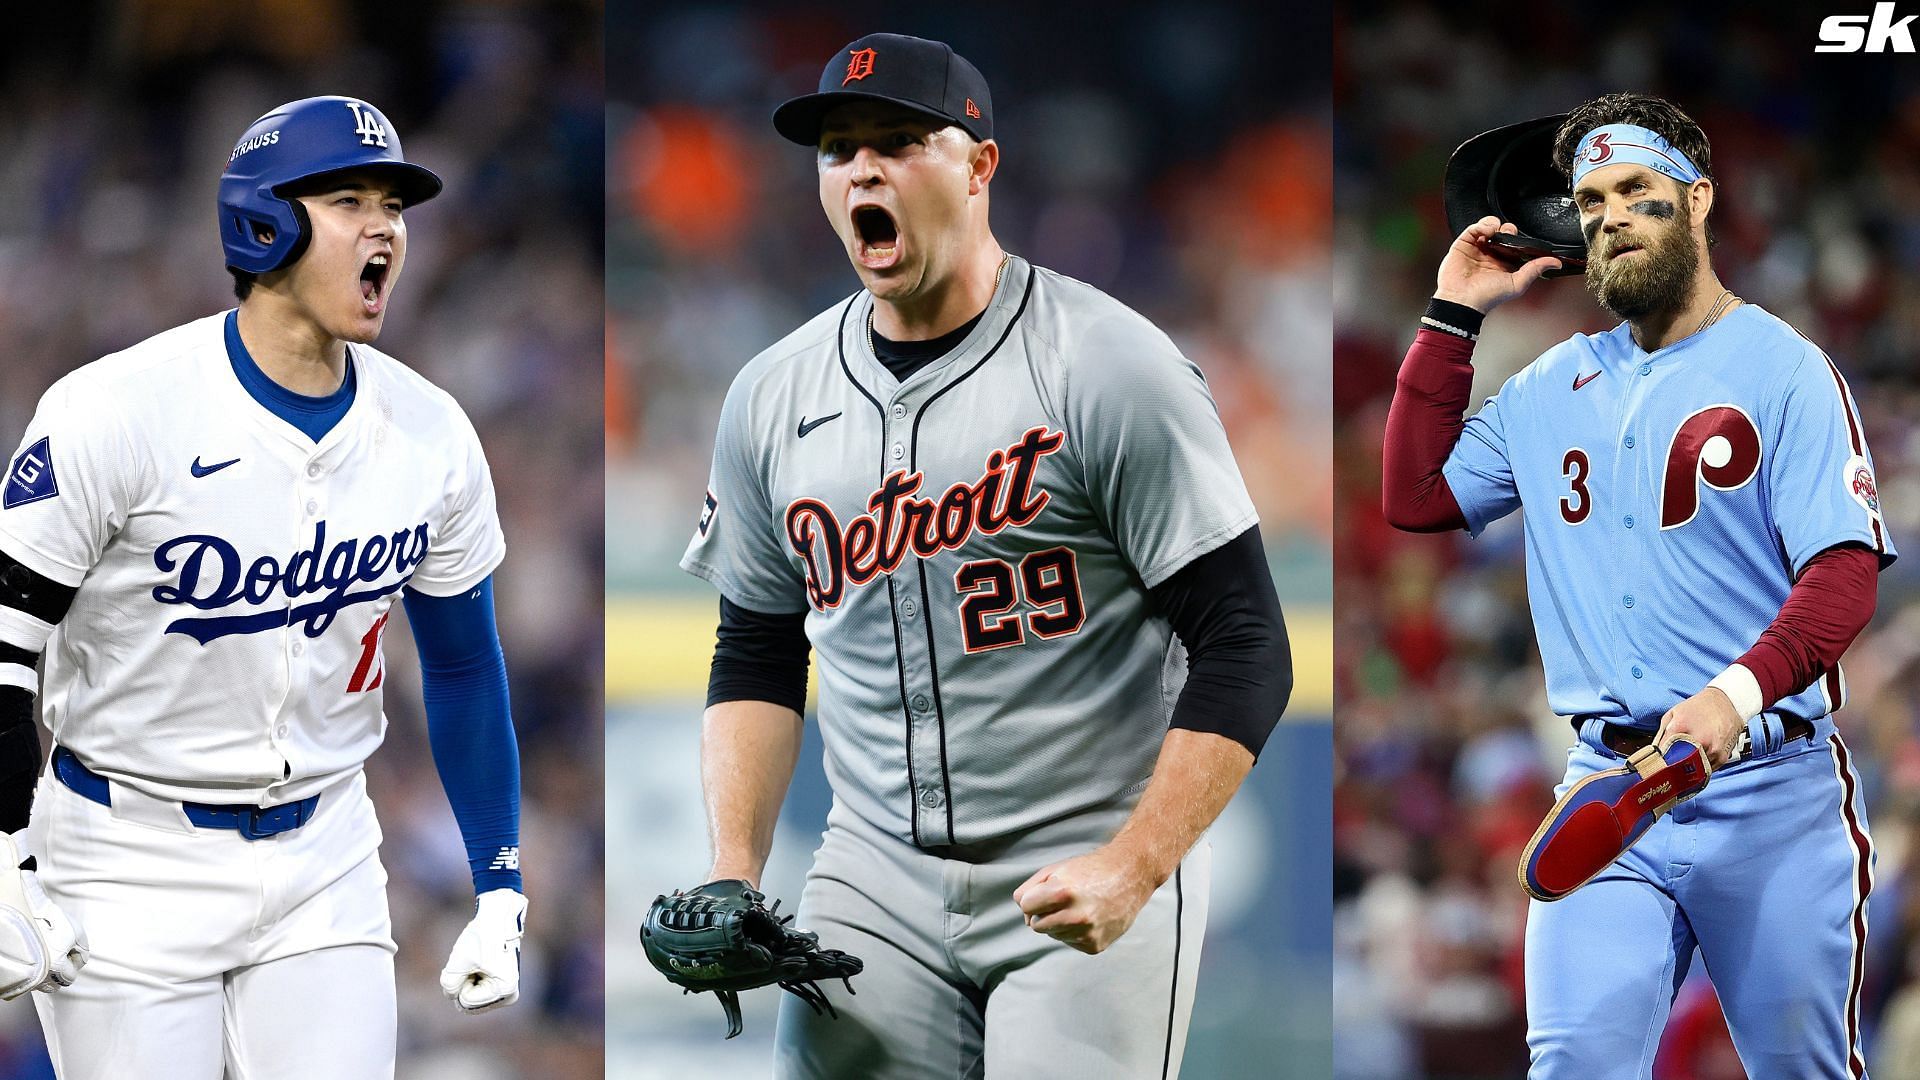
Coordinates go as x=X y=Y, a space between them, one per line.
x=1648 y=269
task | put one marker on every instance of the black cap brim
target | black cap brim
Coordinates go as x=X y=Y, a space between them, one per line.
x=799 y=119
x=1508 y=172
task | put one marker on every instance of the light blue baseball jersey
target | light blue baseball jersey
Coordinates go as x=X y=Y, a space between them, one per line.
x=1672 y=499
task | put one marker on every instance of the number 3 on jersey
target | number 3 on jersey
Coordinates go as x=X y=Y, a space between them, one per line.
x=1050 y=583
x=1578 y=502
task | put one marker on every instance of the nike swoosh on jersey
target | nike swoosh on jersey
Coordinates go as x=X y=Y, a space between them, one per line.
x=805 y=427
x=1580 y=380
x=209 y=470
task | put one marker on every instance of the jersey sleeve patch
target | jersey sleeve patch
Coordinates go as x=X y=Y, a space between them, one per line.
x=1860 y=484
x=706 y=513
x=31 y=479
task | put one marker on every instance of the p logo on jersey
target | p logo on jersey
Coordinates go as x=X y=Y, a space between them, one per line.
x=31 y=477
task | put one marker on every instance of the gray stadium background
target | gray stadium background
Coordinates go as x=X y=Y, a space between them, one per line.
x=119 y=118
x=1175 y=155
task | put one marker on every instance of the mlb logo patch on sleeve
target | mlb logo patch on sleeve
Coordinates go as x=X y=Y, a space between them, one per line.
x=31 y=477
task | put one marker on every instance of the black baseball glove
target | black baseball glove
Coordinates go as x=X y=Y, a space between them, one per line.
x=722 y=937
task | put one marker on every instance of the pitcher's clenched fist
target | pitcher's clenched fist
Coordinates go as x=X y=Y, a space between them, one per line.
x=1087 y=901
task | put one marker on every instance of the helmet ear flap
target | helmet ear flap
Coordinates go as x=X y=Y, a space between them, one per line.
x=302 y=233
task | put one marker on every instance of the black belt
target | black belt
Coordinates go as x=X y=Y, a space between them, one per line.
x=251 y=822
x=1627 y=741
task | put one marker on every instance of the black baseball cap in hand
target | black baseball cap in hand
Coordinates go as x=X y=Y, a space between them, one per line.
x=926 y=76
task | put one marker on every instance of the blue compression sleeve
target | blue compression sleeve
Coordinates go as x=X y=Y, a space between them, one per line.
x=463 y=677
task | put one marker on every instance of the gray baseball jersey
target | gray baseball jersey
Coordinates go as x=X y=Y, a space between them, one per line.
x=973 y=547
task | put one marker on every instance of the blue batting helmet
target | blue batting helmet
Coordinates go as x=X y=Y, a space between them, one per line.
x=262 y=228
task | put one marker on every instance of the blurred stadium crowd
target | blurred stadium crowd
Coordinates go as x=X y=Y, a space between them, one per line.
x=120 y=117
x=1445 y=753
x=1157 y=151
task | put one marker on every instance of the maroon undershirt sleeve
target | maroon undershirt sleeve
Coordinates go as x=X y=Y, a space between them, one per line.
x=1425 y=420
x=1828 y=607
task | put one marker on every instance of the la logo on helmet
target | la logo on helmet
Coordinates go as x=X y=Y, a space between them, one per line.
x=366 y=124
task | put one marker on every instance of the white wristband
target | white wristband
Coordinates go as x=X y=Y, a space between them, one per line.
x=19 y=675
x=1742 y=689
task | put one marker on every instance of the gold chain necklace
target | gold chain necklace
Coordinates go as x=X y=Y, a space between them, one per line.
x=999 y=270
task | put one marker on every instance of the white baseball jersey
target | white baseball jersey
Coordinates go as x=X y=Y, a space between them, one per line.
x=974 y=546
x=234 y=577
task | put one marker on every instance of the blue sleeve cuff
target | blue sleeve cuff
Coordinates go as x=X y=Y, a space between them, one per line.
x=463 y=679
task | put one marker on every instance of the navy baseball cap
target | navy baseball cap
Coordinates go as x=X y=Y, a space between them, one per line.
x=926 y=76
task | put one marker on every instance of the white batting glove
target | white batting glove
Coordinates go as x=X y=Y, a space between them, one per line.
x=40 y=948
x=484 y=971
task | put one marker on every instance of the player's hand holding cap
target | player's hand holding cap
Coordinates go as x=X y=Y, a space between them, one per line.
x=484 y=971
x=40 y=948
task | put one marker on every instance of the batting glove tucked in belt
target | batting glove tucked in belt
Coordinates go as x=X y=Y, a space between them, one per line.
x=484 y=971
x=40 y=948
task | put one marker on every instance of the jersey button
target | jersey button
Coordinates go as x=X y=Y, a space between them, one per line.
x=1646 y=369
x=1628 y=521
x=908 y=608
x=899 y=451
x=899 y=411
x=920 y=703
x=313 y=470
x=1629 y=442
x=312 y=507
x=281 y=731
x=1627 y=600
x=1637 y=673
x=298 y=648
x=929 y=798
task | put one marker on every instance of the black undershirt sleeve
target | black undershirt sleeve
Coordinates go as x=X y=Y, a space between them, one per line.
x=1223 y=607
x=759 y=657
x=20 y=759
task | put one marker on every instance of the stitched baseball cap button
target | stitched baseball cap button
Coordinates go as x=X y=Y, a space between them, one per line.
x=926 y=76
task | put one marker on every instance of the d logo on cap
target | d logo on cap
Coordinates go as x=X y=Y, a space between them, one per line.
x=859 y=65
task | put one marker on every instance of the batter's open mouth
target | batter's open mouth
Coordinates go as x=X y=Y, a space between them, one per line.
x=373 y=282
x=879 y=237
